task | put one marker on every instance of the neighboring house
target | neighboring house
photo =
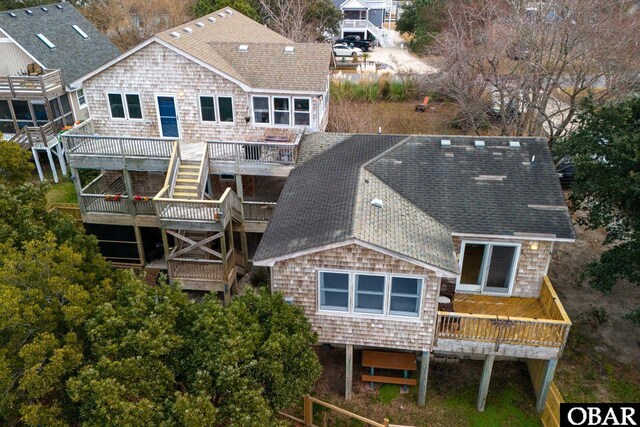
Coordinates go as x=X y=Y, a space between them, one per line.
x=431 y=245
x=365 y=18
x=192 y=135
x=42 y=50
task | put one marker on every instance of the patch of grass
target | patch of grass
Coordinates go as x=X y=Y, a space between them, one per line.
x=389 y=393
x=503 y=408
x=624 y=391
x=63 y=192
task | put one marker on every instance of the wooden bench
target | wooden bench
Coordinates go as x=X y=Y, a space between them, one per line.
x=389 y=380
x=389 y=360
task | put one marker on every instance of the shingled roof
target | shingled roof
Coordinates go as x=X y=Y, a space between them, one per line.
x=73 y=54
x=215 y=39
x=430 y=192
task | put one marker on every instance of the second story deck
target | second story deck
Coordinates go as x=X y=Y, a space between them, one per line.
x=85 y=149
x=519 y=327
x=47 y=85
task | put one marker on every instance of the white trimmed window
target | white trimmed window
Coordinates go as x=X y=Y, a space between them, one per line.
x=281 y=111
x=488 y=267
x=405 y=296
x=334 y=291
x=82 y=99
x=225 y=109
x=261 y=114
x=302 y=111
x=125 y=106
x=207 y=109
x=370 y=293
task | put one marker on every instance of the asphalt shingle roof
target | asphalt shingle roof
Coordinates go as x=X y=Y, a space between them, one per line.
x=217 y=44
x=429 y=192
x=74 y=55
x=495 y=190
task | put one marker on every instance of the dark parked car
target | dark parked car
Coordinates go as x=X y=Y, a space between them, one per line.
x=566 y=171
x=357 y=41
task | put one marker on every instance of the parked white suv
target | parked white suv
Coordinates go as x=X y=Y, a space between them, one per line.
x=342 y=49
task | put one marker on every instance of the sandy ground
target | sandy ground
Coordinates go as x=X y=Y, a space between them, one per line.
x=619 y=337
x=399 y=57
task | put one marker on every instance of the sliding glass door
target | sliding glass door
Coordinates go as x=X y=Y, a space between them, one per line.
x=488 y=267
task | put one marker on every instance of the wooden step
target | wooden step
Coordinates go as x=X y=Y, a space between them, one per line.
x=389 y=380
x=183 y=166
x=187 y=175
x=193 y=195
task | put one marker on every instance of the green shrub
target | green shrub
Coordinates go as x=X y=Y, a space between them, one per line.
x=260 y=277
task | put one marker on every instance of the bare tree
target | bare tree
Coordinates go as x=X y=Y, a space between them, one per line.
x=301 y=20
x=528 y=64
x=129 y=22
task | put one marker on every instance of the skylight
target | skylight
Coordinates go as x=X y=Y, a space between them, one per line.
x=288 y=49
x=29 y=12
x=175 y=34
x=212 y=19
x=59 y=6
x=44 y=9
x=11 y=14
x=244 y=48
x=79 y=30
x=46 y=41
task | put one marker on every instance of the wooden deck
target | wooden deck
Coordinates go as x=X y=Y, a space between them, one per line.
x=481 y=323
x=45 y=86
x=499 y=306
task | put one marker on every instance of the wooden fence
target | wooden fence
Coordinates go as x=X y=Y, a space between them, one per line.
x=551 y=414
x=308 y=414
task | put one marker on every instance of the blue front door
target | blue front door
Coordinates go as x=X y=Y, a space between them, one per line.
x=168 y=117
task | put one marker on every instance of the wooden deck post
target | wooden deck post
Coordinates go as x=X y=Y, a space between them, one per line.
x=36 y=158
x=308 y=412
x=424 y=373
x=484 y=381
x=52 y=164
x=348 y=375
x=128 y=185
x=140 y=245
x=549 y=371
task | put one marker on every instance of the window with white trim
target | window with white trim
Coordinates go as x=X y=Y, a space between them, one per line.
x=370 y=293
x=488 y=267
x=134 y=106
x=261 y=110
x=225 y=108
x=405 y=296
x=116 y=106
x=82 y=99
x=207 y=109
x=125 y=106
x=281 y=111
x=334 y=291
x=301 y=111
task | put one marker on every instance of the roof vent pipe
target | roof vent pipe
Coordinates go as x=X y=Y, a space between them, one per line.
x=200 y=24
x=479 y=144
x=212 y=19
x=445 y=143
x=514 y=144
x=244 y=48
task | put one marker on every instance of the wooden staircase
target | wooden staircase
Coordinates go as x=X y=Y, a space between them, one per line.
x=186 y=184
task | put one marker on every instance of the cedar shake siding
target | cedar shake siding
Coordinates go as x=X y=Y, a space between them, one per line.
x=156 y=70
x=297 y=278
x=531 y=268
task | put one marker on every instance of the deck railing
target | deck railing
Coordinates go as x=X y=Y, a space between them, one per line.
x=258 y=211
x=47 y=85
x=354 y=23
x=508 y=329
x=209 y=211
x=79 y=141
x=267 y=152
x=35 y=136
x=144 y=207
x=196 y=269
x=97 y=198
